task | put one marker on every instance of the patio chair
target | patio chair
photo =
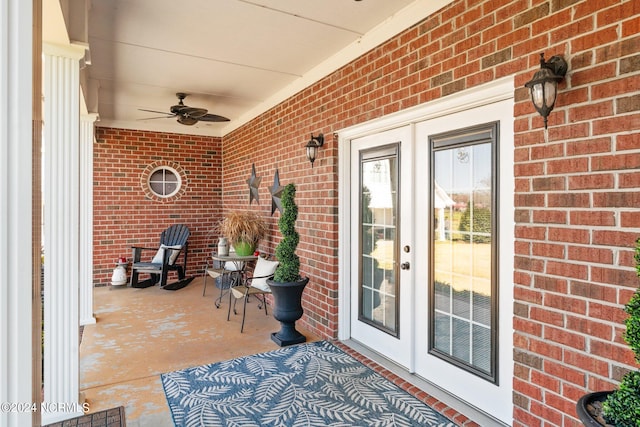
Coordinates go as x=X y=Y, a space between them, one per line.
x=224 y=275
x=173 y=242
x=254 y=284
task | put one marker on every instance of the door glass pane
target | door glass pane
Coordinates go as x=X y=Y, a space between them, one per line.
x=442 y=333
x=378 y=248
x=463 y=200
x=460 y=336
x=481 y=347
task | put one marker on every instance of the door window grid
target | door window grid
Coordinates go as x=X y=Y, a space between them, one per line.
x=463 y=255
x=378 y=284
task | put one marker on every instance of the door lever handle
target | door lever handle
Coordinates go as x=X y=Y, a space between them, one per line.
x=405 y=266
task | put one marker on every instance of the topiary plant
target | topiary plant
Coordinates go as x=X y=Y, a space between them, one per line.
x=632 y=335
x=622 y=407
x=289 y=268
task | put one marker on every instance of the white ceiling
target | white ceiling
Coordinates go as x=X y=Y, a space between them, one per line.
x=235 y=58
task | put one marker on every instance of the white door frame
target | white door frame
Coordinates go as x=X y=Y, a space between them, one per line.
x=496 y=91
x=398 y=348
x=488 y=395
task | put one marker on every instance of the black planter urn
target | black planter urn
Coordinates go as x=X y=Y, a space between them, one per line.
x=588 y=412
x=287 y=308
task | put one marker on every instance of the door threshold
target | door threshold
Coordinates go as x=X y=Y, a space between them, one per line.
x=465 y=408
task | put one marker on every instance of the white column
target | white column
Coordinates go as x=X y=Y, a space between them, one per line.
x=15 y=208
x=61 y=193
x=86 y=218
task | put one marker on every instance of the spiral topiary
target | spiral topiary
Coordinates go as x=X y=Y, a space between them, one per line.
x=289 y=268
x=622 y=407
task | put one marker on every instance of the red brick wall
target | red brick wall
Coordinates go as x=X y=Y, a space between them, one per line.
x=577 y=195
x=577 y=199
x=124 y=215
x=577 y=208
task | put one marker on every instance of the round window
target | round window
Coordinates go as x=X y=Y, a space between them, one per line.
x=164 y=181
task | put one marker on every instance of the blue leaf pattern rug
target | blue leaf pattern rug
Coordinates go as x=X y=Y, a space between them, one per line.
x=314 y=384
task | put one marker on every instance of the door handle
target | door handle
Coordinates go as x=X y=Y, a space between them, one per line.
x=405 y=266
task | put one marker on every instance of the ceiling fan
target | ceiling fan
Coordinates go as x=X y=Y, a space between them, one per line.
x=187 y=115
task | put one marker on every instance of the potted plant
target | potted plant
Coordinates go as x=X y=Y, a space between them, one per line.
x=620 y=407
x=244 y=230
x=287 y=285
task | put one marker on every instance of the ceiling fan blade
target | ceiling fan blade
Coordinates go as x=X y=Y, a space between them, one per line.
x=193 y=112
x=160 y=117
x=154 y=111
x=213 y=118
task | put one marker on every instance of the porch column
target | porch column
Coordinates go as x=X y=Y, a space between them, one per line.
x=86 y=218
x=61 y=193
x=16 y=21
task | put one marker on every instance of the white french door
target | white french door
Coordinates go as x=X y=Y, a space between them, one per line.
x=430 y=209
x=381 y=310
x=464 y=255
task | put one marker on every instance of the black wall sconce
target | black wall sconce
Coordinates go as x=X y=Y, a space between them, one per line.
x=544 y=84
x=312 y=147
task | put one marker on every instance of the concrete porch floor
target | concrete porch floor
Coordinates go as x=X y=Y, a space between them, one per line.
x=142 y=333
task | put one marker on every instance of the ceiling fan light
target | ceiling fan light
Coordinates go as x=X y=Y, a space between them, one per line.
x=188 y=121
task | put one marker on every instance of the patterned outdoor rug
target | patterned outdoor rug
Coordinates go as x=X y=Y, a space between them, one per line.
x=314 y=384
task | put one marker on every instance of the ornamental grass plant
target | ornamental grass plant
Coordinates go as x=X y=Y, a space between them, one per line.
x=243 y=227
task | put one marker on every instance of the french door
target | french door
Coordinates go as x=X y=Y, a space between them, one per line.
x=382 y=314
x=431 y=209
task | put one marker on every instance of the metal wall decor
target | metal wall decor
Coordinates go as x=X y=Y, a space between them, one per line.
x=254 y=183
x=276 y=192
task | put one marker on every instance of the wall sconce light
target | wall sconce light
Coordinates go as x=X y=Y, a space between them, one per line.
x=544 y=84
x=312 y=147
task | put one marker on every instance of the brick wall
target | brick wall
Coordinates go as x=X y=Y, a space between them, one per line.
x=577 y=199
x=575 y=207
x=577 y=195
x=125 y=214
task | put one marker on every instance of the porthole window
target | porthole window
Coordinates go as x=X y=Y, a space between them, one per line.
x=164 y=182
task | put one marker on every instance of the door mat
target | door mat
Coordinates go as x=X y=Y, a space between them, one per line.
x=109 y=418
x=314 y=384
